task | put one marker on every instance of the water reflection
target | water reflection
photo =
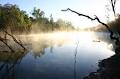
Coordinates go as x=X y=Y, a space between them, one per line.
x=55 y=56
x=75 y=69
x=8 y=61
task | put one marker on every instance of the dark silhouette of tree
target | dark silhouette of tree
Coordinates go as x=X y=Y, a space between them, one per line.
x=113 y=3
x=108 y=68
x=96 y=18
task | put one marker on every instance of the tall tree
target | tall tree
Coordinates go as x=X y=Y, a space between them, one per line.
x=37 y=13
x=52 y=22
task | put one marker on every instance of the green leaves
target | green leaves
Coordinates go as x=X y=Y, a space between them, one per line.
x=14 y=19
x=37 y=13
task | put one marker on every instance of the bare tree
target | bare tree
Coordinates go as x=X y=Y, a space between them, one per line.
x=112 y=34
x=113 y=3
x=4 y=41
x=95 y=18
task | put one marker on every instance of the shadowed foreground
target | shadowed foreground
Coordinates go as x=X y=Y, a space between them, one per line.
x=108 y=69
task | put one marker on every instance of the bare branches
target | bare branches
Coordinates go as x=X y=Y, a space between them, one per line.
x=79 y=14
x=95 y=18
x=113 y=3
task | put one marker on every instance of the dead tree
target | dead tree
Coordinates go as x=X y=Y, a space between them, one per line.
x=95 y=18
x=4 y=41
x=112 y=36
x=15 y=40
x=113 y=3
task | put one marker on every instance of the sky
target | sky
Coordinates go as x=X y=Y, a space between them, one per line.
x=54 y=7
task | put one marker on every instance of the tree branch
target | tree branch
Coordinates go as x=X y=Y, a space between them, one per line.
x=95 y=18
x=15 y=40
x=113 y=2
x=4 y=41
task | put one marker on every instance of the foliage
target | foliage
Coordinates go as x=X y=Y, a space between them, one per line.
x=13 y=19
x=62 y=25
x=37 y=13
x=43 y=24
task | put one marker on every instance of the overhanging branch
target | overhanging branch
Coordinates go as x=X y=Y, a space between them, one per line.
x=92 y=19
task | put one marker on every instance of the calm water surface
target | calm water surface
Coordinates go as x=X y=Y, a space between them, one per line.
x=56 y=56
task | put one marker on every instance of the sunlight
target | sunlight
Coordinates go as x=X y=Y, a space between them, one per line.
x=71 y=36
x=87 y=39
x=59 y=39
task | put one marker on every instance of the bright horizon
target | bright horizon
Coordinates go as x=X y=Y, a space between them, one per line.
x=54 y=7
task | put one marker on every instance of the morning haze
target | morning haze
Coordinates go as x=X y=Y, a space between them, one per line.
x=59 y=39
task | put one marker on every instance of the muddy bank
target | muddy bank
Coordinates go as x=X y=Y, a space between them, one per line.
x=108 y=69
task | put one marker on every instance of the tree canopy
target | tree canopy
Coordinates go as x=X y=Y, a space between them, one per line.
x=13 y=19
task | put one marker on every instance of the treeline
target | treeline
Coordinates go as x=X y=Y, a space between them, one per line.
x=14 y=20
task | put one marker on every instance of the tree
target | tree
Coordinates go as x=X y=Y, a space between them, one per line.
x=64 y=26
x=40 y=23
x=110 y=68
x=37 y=13
x=51 y=22
x=112 y=34
x=113 y=3
x=13 y=19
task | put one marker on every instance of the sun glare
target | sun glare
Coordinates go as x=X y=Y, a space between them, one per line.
x=82 y=37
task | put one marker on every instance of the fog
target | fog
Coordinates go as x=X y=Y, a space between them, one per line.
x=36 y=40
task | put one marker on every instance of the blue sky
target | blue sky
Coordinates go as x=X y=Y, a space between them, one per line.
x=89 y=7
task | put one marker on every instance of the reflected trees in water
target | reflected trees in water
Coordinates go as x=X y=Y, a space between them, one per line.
x=7 y=69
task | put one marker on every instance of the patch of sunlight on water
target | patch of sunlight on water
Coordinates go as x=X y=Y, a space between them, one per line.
x=60 y=38
x=81 y=36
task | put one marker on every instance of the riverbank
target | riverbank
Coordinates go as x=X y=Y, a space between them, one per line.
x=108 y=69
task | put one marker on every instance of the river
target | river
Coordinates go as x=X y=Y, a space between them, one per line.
x=60 y=55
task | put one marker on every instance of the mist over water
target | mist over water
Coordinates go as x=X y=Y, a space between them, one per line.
x=64 y=38
x=59 y=55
